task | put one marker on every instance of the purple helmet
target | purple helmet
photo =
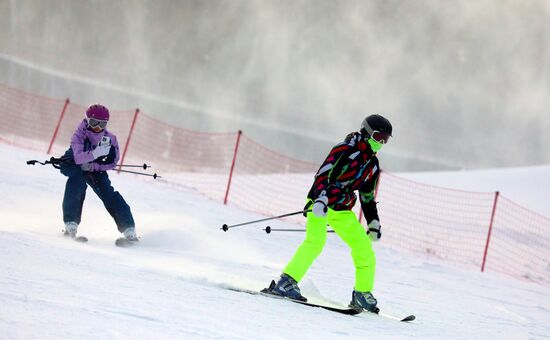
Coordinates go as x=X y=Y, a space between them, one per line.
x=98 y=112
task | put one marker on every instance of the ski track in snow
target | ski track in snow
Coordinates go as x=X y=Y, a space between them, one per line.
x=171 y=286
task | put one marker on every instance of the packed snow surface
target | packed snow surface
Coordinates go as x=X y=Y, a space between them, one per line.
x=171 y=286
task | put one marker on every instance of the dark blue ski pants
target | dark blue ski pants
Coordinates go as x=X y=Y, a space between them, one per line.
x=75 y=193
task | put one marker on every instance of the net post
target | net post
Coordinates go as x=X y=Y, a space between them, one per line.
x=495 y=201
x=136 y=113
x=239 y=133
x=56 y=131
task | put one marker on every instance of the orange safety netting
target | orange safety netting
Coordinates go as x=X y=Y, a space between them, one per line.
x=456 y=226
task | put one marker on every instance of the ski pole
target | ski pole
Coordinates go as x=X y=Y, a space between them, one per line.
x=34 y=161
x=144 y=166
x=55 y=162
x=155 y=176
x=226 y=227
x=268 y=230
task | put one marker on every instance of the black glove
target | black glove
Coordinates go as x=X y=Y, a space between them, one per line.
x=307 y=207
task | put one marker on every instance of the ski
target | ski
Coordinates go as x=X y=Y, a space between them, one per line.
x=342 y=310
x=405 y=319
x=124 y=242
x=408 y=318
x=266 y=293
x=81 y=239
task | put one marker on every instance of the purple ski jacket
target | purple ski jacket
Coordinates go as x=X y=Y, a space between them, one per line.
x=83 y=151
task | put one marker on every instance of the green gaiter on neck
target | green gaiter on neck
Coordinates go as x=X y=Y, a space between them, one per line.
x=375 y=146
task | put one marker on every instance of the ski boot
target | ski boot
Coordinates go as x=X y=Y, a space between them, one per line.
x=364 y=300
x=130 y=234
x=129 y=238
x=70 y=229
x=288 y=287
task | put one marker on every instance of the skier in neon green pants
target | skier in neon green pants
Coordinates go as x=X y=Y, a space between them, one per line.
x=350 y=166
x=346 y=225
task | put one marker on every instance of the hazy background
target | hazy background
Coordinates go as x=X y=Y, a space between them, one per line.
x=466 y=84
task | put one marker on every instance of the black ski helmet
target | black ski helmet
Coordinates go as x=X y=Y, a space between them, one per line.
x=376 y=123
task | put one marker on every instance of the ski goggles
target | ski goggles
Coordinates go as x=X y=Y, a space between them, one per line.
x=380 y=136
x=96 y=123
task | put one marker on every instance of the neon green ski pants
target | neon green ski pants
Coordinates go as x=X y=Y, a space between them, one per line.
x=347 y=226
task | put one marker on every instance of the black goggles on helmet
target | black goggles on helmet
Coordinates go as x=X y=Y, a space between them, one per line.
x=381 y=137
x=93 y=123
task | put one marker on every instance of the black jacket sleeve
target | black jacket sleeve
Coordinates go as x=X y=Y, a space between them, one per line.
x=366 y=195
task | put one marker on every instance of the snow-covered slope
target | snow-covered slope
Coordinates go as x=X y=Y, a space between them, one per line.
x=171 y=285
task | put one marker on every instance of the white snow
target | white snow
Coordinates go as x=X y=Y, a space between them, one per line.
x=171 y=285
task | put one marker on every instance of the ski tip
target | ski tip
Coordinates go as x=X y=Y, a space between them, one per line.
x=408 y=318
x=82 y=239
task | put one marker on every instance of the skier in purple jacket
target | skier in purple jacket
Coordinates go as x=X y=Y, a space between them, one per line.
x=93 y=151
